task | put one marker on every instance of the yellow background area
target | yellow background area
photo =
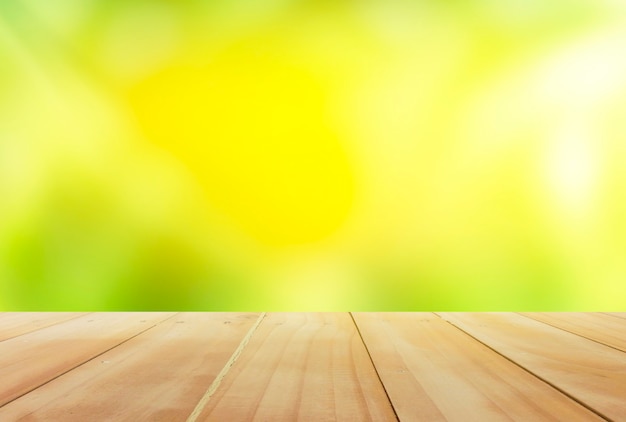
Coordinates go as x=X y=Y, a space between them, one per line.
x=304 y=155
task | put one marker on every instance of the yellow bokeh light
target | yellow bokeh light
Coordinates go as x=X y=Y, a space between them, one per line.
x=255 y=129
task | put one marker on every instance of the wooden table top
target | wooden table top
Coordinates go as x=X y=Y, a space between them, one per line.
x=149 y=366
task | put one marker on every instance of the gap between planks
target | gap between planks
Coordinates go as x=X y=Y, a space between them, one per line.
x=218 y=379
x=367 y=350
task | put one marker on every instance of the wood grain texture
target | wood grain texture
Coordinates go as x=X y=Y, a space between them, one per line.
x=13 y=324
x=604 y=329
x=616 y=314
x=301 y=367
x=36 y=358
x=313 y=367
x=434 y=372
x=591 y=373
x=158 y=375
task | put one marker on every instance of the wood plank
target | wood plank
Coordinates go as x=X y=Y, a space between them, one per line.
x=301 y=366
x=602 y=328
x=434 y=372
x=591 y=373
x=616 y=314
x=158 y=375
x=13 y=324
x=33 y=359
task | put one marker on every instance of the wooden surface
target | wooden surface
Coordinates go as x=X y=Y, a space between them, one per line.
x=312 y=367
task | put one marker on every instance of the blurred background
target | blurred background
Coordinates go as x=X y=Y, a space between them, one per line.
x=295 y=155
